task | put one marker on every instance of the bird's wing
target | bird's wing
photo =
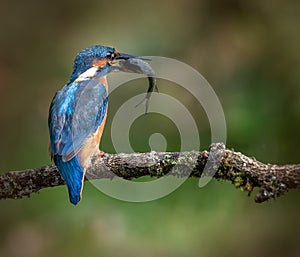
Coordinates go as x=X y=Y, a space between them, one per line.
x=75 y=113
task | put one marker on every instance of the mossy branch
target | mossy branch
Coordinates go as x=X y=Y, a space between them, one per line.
x=220 y=163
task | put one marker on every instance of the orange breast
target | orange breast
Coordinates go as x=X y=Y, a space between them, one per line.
x=103 y=80
x=98 y=134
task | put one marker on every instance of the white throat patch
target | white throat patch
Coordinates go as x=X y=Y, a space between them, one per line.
x=91 y=72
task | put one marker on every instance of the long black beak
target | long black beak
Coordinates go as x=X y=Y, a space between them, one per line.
x=123 y=56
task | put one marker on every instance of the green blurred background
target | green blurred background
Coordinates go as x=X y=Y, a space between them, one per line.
x=247 y=50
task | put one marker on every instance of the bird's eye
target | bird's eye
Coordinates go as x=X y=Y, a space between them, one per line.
x=111 y=56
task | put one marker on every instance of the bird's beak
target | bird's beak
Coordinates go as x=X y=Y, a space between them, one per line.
x=123 y=56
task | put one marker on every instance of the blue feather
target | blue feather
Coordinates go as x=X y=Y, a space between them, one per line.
x=73 y=174
x=76 y=112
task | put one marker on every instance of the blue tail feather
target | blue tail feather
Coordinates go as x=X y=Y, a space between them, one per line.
x=73 y=173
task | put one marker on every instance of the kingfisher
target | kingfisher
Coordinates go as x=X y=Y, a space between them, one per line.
x=78 y=113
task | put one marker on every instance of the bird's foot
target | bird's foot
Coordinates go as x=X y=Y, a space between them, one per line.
x=100 y=154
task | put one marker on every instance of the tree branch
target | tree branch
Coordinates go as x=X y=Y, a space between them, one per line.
x=244 y=172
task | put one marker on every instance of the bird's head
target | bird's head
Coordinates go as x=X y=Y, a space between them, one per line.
x=94 y=59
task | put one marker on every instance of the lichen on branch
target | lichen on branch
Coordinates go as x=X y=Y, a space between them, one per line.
x=220 y=163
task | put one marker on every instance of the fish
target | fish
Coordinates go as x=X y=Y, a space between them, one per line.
x=140 y=66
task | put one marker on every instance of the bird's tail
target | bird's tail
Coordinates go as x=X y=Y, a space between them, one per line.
x=73 y=174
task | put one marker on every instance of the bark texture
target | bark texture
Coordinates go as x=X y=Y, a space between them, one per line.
x=220 y=163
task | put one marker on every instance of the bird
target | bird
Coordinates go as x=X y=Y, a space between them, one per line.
x=78 y=112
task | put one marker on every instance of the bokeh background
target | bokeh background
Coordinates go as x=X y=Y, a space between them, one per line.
x=247 y=50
